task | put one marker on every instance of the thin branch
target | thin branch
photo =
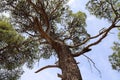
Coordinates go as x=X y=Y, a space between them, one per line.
x=49 y=66
x=115 y=11
x=118 y=26
x=30 y=34
x=93 y=64
x=86 y=40
x=103 y=36
x=100 y=33
x=90 y=64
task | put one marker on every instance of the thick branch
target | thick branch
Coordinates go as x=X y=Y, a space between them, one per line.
x=41 y=11
x=89 y=38
x=49 y=66
x=38 y=26
x=103 y=34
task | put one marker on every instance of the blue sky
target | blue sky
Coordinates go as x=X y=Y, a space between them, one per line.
x=99 y=53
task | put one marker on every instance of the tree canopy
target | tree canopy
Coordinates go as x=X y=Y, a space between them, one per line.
x=42 y=28
x=12 y=53
x=8 y=68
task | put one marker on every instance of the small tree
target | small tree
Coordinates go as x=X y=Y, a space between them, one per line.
x=58 y=30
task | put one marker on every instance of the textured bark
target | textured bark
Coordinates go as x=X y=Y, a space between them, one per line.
x=67 y=63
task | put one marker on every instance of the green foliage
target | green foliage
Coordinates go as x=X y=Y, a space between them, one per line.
x=75 y=28
x=8 y=34
x=15 y=51
x=10 y=74
x=108 y=9
x=115 y=57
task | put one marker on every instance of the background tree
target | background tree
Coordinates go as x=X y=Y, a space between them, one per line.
x=8 y=36
x=110 y=9
x=12 y=53
x=115 y=57
x=58 y=31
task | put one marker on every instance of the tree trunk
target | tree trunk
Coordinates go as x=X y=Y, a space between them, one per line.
x=67 y=63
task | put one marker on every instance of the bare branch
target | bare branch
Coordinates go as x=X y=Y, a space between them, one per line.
x=89 y=59
x=49 y=66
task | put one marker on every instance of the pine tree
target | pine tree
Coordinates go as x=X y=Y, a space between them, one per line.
x=53 y=29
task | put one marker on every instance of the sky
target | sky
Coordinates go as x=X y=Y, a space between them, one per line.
x=99 y=53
